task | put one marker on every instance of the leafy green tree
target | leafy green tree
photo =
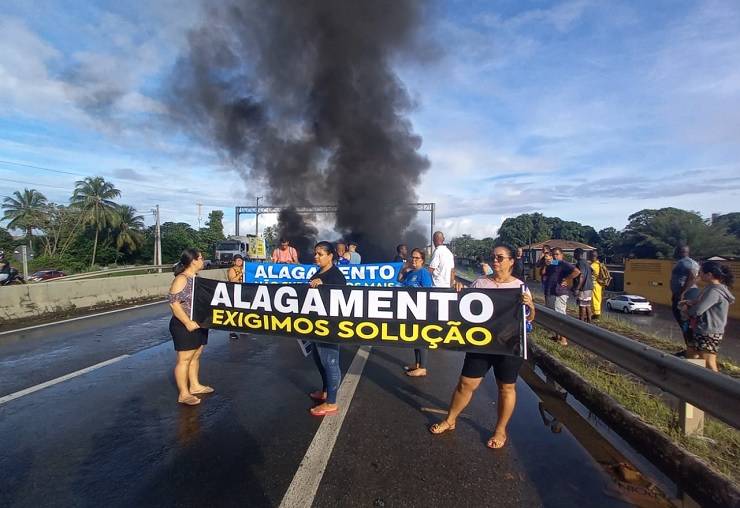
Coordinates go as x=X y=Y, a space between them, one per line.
x=176 y=237
x=609 y=243
x=7 y=243
x=25 y=211
x=730 y=222
x=468 y=247
x=212 y=233
x=525 y=229
x=656 y=234
x=127 y=232
x=94 y=196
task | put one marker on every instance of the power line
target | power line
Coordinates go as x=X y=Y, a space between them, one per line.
x=33 y=184
x=39 y=167
x=154 y=187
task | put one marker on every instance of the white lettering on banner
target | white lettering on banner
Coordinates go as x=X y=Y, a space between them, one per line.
x=284 y=272
x=260 y=272
x=474 y=307
x=292 y=306
x=313 y=303
x=372 y=271
x=221 y=295
x=344 y=270
x=387 y=272
x=262 y=299
x=357 y=272
x=405 y=304
x=444 y=299
x=352 y=306
x=486 y=308
x=376 y=301
x=238 y=303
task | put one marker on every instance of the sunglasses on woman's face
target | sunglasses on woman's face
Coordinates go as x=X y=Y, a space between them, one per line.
x=500 y=258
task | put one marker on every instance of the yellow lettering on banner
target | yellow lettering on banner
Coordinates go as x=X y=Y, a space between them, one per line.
x=241 y=320
x=431 y=340
x=384 y=335
x=285 y=324
x=414 y=332
x=230 y=316
x=345 y=329
x=253 y=321
x=217 y=316
x=454 y=335
x=303 y=325
x=366 y=324
x=470 y=336
x=322 y=328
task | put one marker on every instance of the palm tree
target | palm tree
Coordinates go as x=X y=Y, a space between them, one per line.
x=25 y=211
x=94 y=196
x=128 y=229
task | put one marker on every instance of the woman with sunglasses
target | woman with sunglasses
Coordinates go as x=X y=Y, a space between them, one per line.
x=414 y=275
x=326 y=355
x=505 y=367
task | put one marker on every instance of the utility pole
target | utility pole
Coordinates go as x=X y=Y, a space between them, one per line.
x=157 y=240
x=257 y=217
x=200 y=209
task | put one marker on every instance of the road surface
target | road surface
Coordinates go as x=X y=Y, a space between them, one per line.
x=114 y=435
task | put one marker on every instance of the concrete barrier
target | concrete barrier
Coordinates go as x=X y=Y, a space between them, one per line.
x=62 y=297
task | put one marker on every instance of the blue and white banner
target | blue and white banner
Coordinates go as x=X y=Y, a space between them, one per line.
x=377 y=274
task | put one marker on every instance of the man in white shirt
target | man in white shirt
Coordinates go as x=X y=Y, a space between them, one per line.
x=442 y=265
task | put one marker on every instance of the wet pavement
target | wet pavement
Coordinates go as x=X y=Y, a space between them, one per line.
x=116 y=437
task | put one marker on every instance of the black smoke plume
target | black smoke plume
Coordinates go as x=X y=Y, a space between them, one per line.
x=302 y=97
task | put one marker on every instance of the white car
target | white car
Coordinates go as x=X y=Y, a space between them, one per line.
x=629 y=303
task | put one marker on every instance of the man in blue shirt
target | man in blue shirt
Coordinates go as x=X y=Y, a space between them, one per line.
x=558 y=274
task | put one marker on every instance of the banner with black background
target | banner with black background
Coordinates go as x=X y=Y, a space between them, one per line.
x=480 y=320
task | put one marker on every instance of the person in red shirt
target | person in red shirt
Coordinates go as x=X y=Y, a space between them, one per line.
x=285 y=253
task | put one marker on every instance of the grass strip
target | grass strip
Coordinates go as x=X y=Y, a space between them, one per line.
x=720 y=445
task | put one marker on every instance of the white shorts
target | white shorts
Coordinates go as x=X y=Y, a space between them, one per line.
x=558 y=302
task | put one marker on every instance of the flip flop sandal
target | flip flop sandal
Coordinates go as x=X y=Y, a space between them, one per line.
x=190 y=401
x=441 y=427
x=409 y=368
x=317 y=396
x=492 y=444
x=323 y=412
x=205 y=389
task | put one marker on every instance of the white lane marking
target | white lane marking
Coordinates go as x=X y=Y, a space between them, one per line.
x=46 y=384
x=305 y=484
x=81 y=317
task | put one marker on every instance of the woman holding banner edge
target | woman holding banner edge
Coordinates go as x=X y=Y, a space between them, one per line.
x=415 y=275
x=326 y=355
x=505 y=367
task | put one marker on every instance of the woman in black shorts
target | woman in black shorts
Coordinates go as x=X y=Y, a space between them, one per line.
x=505 y=367
x=188 y=336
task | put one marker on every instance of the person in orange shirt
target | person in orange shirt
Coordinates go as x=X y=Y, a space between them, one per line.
x=285 y=253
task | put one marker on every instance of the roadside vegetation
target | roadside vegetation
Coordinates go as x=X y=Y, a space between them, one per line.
x=93 y=229
x=720 y=445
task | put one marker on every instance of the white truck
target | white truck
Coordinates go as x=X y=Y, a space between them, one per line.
x=251 y=248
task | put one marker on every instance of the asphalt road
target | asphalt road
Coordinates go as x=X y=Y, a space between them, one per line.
x=662 y=324
x=115 y=436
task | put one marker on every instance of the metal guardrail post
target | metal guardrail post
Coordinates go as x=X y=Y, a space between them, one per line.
x=715 y=393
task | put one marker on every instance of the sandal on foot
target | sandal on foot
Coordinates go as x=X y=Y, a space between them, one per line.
x=496 y=444
x=189 y=401
x=318 y=396
x=420 y=372
x=441 y=427
x=323 y=412
x=204 y=389
x=409 y=368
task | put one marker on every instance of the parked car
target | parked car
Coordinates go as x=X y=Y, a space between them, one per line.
x=46 y=275
x=629 y=303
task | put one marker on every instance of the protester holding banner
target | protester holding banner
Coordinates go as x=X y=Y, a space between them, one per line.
x=189 y=338
x=416 y=276
x=236 y=274
x=505 y=367
x=326 y=355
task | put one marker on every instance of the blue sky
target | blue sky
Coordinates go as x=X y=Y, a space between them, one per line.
x=580 y=109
